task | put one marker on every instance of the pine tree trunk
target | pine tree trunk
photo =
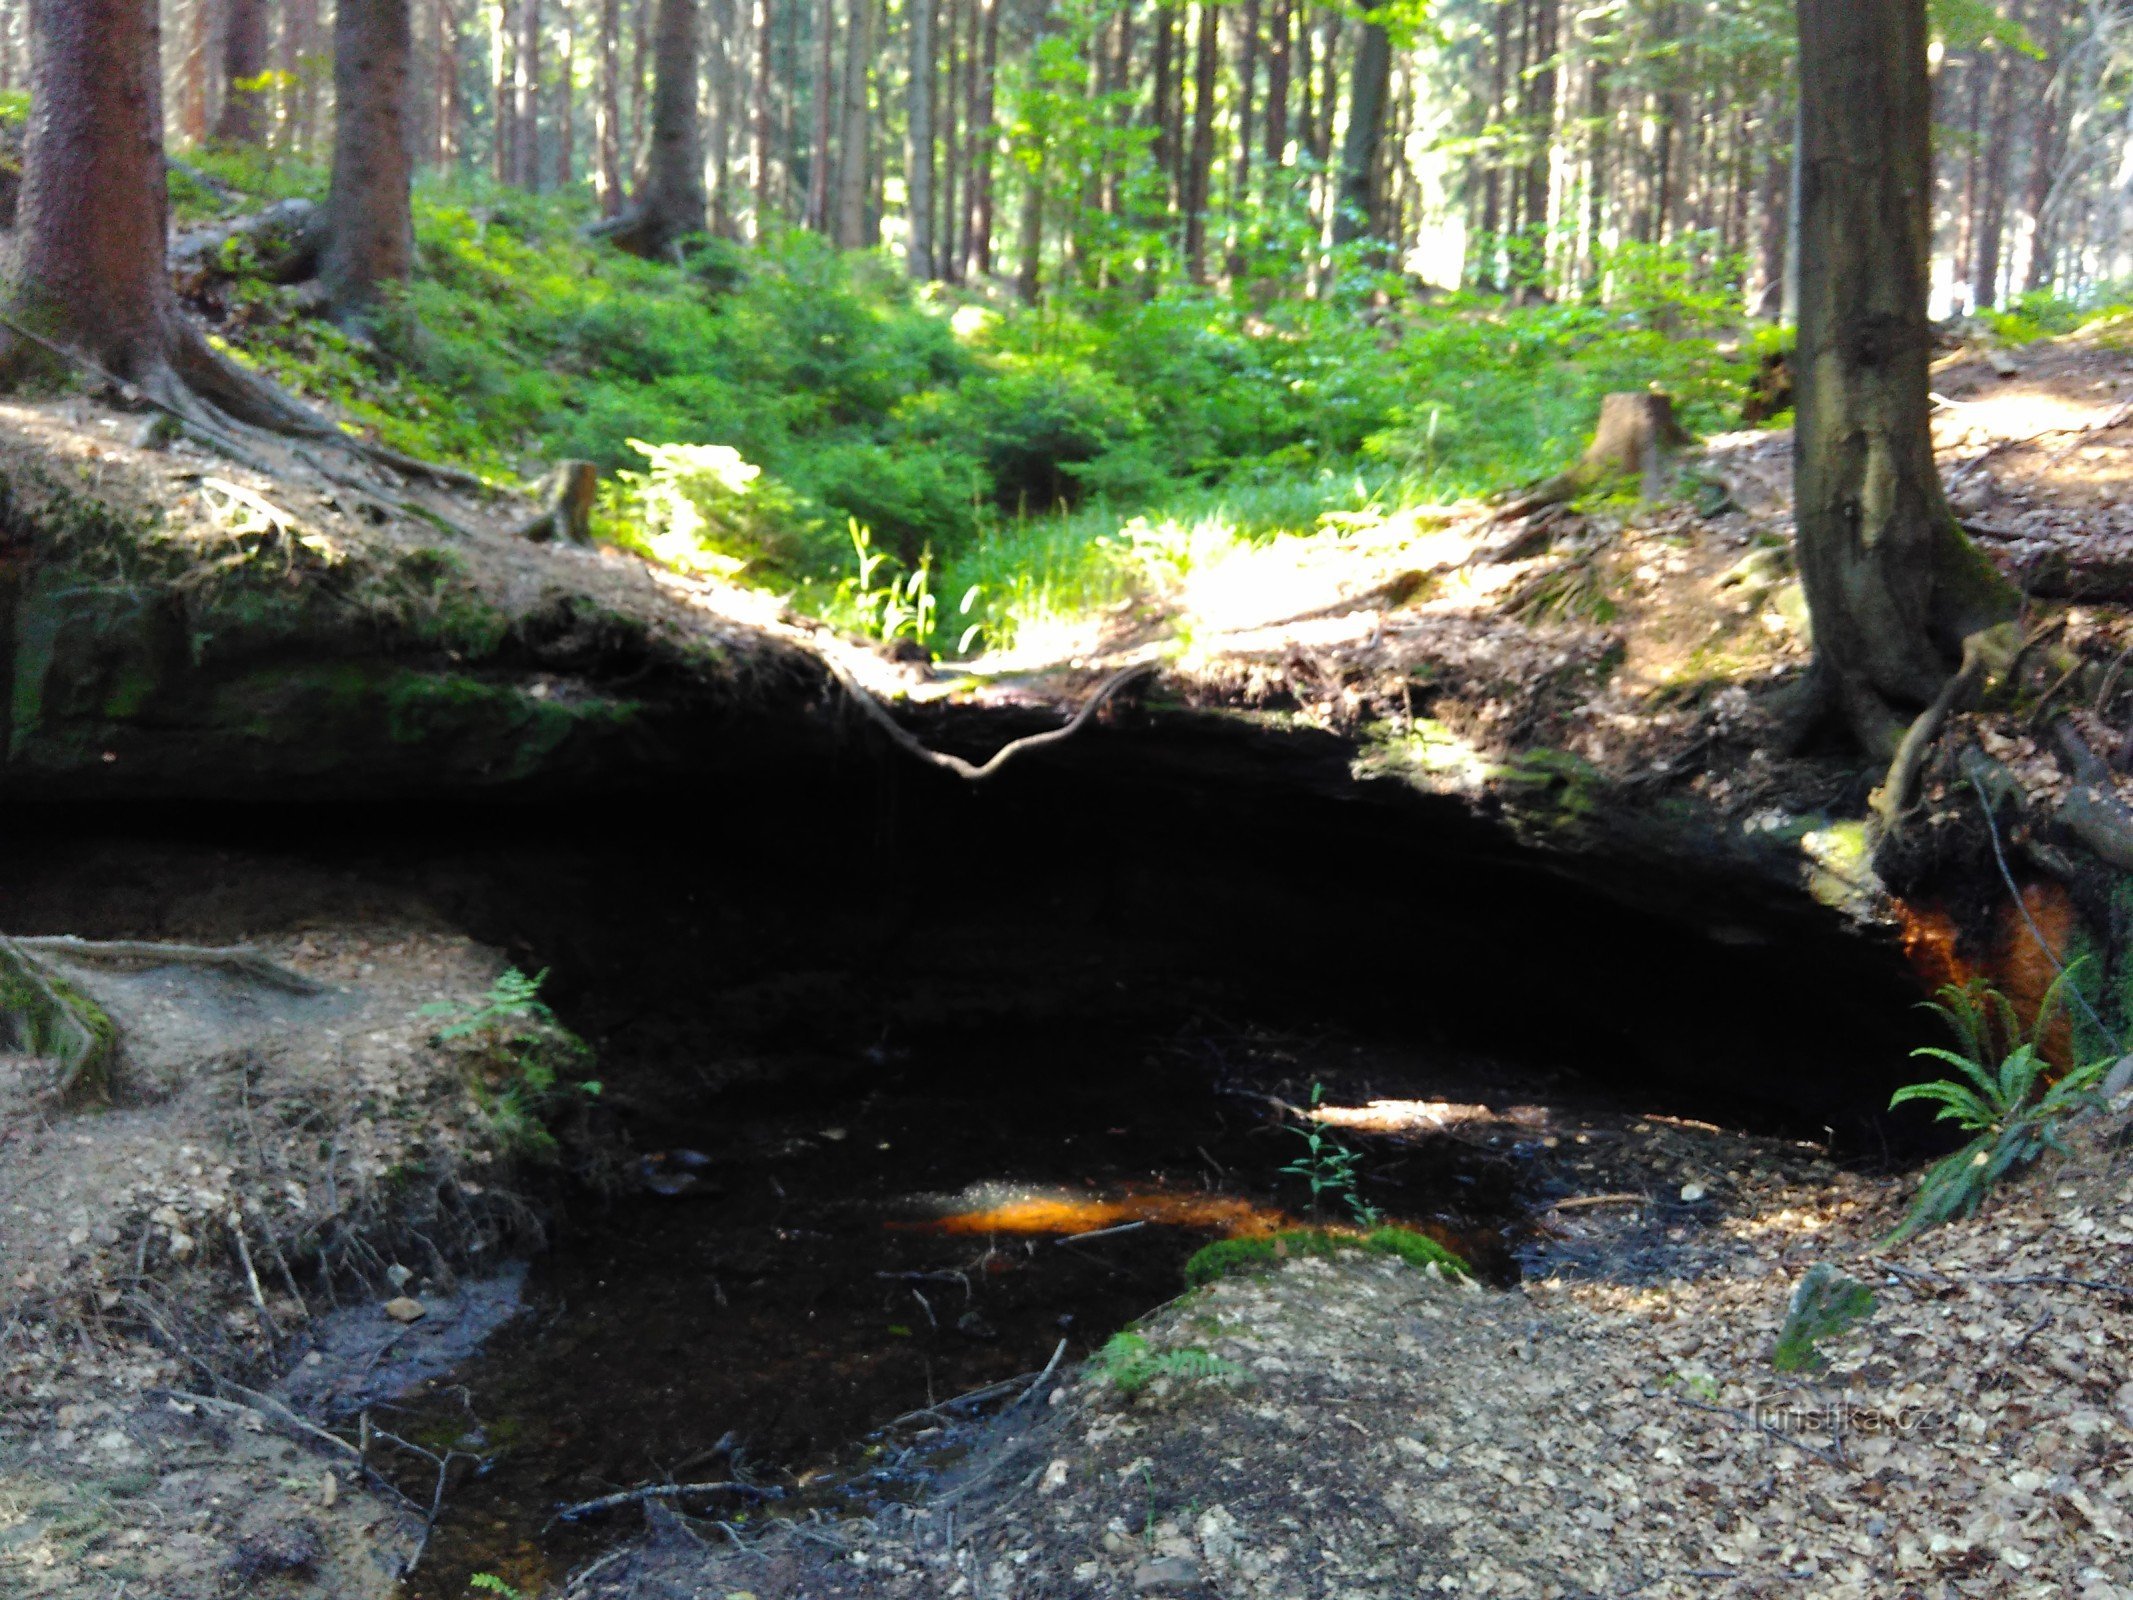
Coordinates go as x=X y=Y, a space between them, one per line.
x=1992 y=200
x=948 y=247
x=526 y=97
x=670 y=203
x=1277 y=88
x=566 y=107
x=1029 y=281
x=607 y=112
x=762 y=138
x=918 y=157
x=1893 y=585
x=850 y=202
x=369 y=233
x=984 y=140
x=816 y=215
x=300 y=59
x=244 y=62
x=503 y=131
x=1200 y=158
x=1355 y=217
x=2044 y=143
x=1774 y=204
x=1599 y=117
x=1539 y=118
x=450 y=110
x=1163 y=76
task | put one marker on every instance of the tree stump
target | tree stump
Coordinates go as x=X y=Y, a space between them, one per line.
x=1636 y=433
x=567 y=503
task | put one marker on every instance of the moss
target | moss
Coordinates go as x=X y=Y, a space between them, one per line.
x=52 y=1018
x=1261 y=1253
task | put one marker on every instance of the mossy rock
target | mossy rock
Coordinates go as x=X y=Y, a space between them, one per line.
x=1263 y=1252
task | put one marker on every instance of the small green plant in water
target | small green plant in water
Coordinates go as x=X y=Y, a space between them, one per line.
x=519 y=1053
x=1129 y=1363
x=2012 y=1110
x=1328 y=1165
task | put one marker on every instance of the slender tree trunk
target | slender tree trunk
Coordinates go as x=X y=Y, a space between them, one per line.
x=1539 y=119
x=1277 y=88
x=1776 y=210
x=856 y=131
x=300 y=59
x=670 y=203
x=1029 y=280
x=566 y=107
x=1599 y=116
x=1366 y=126
x=369 y=233
x=763 y=132
x=1892 y=583
x=1163 y=93
x=503 y=132
x=244 y=64
x=1992 y=201
x=984 y=142
x=818 y=166
x=607 y=112
x=638 y=149
x=1240 y=174
x=918 y=158
x=526 y=97
x=450 y=107
x=1199 y=166
x=2044 y=142
x=948 y=247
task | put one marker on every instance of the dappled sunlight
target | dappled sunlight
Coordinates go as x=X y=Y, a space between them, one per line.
x=1419 y=1116
x=2016 y=413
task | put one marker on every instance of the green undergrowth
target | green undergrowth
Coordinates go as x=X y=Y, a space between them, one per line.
x=1262 y=1253
x=1007 y=463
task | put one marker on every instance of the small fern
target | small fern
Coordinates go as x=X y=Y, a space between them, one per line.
x=1129 y=1363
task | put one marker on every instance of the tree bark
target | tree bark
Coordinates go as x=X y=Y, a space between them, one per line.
x=1355 y=216
x=1539 y=118
x=1277 y=88
x=1200 y=158
x=984 y=141
x=855 y=133
x=1992 y=197
x=244 y=64
x=450 y=110
x=300 y=60
x=918 y=158
x=526 y=97
x=763 y=136
x=503 y=133
x=369 y=231
x=566 y=107
x=670 y=203
x=1893 y=585
x=607 y=112
x=816 y=215
x=2044 y=144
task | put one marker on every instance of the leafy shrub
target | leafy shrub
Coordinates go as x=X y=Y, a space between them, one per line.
x=702 y=501
x=2012 y=1109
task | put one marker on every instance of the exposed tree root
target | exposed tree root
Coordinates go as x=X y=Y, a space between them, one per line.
x=978 y=773
x=49 y=1018
x=237 y=958
x=1899 y=790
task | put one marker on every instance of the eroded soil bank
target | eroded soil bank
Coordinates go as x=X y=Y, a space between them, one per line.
x=1078 y=988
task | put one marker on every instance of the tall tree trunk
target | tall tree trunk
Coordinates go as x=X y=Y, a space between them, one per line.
x=1893 y=585
x=450 y=108
x=1355 y=215
x=948 y=247
x=566 y=106
x=301 y=61
x=1599 y=118
x=1539 y=119
x=1240 y=172
x=818 y=165
x=1199 y=165
x=2049 y=30
x=671 y=203
x=1277 y=88
x=639 y=146
x=607 y=112
x=1029 y=271
x=984 y=142
x=1992 y=200
x=369 y=233
x=918 y=157
x=244 y=65
x=855 y=130
x=526 y=97
x=762 y=142
x=1162 y=68
x=1774 y=205
x=503 y=129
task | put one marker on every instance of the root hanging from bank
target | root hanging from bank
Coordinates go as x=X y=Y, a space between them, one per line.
x=975 y=772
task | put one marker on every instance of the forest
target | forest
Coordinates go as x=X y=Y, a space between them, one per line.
x=1012 y=799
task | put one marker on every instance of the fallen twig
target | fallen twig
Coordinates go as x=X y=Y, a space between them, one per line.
x=656 y=1491
x=968 y=771
x=1102 y=1233
x=1579 y=1202
x=1050 y=1367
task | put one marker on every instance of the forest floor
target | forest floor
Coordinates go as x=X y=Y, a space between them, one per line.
x=1579 y=1435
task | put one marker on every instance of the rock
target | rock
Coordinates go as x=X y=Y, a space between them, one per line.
x=1166 y=1572
x=1692 y=1192
x=397 y=1275
x=406 y=1309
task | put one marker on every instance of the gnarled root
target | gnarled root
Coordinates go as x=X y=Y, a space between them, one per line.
x=48 y=1017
